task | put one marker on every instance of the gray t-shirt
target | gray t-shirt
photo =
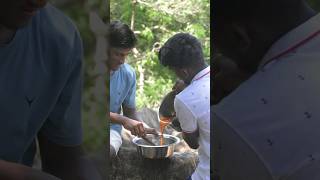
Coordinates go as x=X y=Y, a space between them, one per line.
x=40 y=92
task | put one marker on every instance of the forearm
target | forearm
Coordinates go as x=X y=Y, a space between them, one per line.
x=130 y=113
x=14 y=171
x=191 y=139
x=117 y=118
x=66 y=162
x=80 y=168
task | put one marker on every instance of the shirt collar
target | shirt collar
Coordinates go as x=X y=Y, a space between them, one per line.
x=118 y=70
x=203 y=72
x=292 y=38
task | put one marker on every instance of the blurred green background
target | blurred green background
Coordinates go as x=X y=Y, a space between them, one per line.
x=154 y=21
x=94 y=105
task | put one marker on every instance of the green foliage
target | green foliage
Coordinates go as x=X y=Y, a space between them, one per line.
x=94 y=132
x=156 y=21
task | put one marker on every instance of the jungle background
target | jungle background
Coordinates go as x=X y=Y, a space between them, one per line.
x=154 y=22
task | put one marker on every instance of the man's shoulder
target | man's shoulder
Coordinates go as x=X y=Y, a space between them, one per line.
x=57 y=19
x=280 y=85
x=128 y=71
x=55 y=25
x=199 y=91
x=194 y=100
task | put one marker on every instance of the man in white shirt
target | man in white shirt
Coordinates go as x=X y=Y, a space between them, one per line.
x=182 y=53
x=268 y=128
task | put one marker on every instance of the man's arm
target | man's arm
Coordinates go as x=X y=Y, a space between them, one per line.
x=132 y=113
x=14 y=171
x=192 y=139
x=188 y=122
x=135 y=126
x=66 y=162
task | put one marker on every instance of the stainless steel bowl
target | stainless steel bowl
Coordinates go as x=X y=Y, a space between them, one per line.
x=158 y=151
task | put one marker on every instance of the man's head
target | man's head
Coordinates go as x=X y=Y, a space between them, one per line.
x=17 y=13
x=245 y=30
x=183 y=54
x=121 y=41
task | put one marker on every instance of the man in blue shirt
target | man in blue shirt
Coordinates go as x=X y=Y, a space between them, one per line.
x=122 y=86
x=40 y=93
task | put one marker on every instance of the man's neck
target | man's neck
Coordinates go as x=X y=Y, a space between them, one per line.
x=197 y=70
x=302 y=15
x=6 y=35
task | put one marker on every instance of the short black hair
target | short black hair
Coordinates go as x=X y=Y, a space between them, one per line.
x=121 y=36
x=180 y=51
x=244 y=10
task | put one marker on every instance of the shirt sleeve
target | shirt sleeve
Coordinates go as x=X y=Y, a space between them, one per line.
x=130 y=99
x=63 y=125
x=188 y=121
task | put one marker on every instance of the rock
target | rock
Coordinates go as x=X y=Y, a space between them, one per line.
x=128 y=165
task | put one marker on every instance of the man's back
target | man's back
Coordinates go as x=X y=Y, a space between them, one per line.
x=268 y=127
x=192 y=106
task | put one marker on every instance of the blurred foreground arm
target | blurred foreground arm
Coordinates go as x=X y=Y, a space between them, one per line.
x=66 y=162
x=14 y=171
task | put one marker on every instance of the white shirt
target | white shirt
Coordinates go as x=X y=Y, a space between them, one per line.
x=269 y=127
x=192 y=107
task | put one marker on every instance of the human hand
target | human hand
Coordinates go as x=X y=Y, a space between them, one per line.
x=151 y=131
x=135 y=127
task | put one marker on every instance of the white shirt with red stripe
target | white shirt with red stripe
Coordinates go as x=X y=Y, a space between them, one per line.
x=269 y=127
x=192 y=107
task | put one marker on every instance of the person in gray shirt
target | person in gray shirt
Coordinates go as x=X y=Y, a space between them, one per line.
x=40 y=93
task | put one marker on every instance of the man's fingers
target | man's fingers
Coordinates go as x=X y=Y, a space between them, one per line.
x=151 y=131
x=133 y=132
x=154 y=131
x=141 y=129
x=136 y=131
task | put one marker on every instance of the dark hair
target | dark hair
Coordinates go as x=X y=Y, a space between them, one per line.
x=121 y=36
x=181 y=50
x=246 y=10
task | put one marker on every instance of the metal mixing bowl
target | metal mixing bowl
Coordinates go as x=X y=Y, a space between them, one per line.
x=158 y=151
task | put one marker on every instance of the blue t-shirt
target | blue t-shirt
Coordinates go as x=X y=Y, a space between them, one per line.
x=40 y=86
x=122 y=90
